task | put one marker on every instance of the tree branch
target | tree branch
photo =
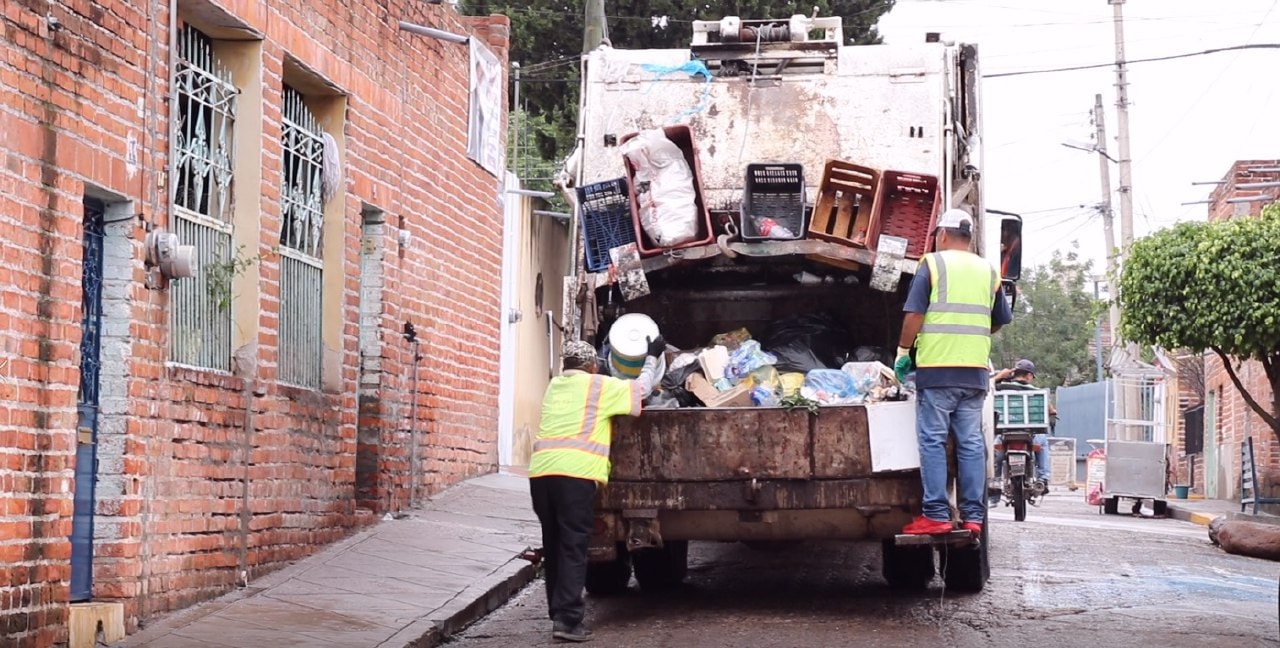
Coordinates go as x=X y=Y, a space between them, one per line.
x=1248 y=398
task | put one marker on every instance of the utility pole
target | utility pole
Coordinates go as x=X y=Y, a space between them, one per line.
x=1122 y=125
x=1113 y=255
x=595 y=29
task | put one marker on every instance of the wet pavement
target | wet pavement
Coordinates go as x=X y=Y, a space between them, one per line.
x=1067 y=576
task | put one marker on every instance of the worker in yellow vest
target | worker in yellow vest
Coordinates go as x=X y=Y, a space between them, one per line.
x=952 y=308
x=570 y=459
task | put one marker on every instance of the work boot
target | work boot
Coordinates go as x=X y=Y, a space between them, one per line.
x=577 y=634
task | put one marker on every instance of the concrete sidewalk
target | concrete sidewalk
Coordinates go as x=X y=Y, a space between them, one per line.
x=1203 y=511
x=408 y=582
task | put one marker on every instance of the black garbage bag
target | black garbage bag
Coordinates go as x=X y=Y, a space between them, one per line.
x=803 y=343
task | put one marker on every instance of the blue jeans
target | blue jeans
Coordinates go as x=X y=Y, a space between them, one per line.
x=1042 y=457
x=957 y=410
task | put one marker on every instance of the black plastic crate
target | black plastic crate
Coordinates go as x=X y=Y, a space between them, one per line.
x=606 y=221
x=775 y=192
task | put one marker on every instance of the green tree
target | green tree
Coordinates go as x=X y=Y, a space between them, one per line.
x=546 y=39
x=1211 y=286
x=1053 y=323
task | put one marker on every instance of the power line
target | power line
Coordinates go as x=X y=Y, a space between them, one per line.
x=1132 y=61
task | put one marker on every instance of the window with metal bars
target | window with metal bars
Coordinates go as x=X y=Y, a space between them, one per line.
x=301 y=269
x=205 y=111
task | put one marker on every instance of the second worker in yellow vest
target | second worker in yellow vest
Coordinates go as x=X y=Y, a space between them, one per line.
x=952 y=308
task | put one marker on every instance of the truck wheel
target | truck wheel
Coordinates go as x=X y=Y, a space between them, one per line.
x=906 y=568
x=609 y=578
x=661 y=570
x=1019 y=498
x=1111 y=505
x=966 y=568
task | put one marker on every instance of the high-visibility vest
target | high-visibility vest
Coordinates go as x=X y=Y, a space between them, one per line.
x=576 y=427
x=957 y=326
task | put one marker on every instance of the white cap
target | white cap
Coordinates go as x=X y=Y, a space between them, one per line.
x=956 y=219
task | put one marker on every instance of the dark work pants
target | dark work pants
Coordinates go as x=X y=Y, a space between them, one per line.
x=565 y=508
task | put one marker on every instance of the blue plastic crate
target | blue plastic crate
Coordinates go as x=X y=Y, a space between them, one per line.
x=605 y=209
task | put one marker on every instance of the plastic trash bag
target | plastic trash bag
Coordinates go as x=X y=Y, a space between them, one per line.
x=732 y=339
x=746 y=359
x=806 y=342
x=665 y=188
x=679 y=369
x=791 y=383
x=762 y=396
x=830 y=387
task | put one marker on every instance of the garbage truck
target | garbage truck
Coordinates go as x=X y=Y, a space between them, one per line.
x=851 y=152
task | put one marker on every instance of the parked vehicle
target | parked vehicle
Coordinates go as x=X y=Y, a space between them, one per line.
x=770 y=475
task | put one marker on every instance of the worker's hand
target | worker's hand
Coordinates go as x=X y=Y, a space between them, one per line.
x=657 y=347
x=903 y=365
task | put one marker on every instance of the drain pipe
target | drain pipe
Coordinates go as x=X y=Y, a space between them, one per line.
x=411 y=335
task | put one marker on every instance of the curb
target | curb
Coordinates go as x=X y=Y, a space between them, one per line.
x=478 y=600
x=1194 y=517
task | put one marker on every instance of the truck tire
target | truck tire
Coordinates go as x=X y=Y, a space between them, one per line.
x=1019 y=489
x=661 y=570
x=966 y=569
x=609 y=578
x=1111 y=506
x=906 y=568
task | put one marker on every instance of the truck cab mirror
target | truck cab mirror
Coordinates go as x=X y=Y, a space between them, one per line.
x=1010 y=290
x=1010 y=247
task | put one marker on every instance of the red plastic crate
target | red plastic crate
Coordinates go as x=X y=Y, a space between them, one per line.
x=907 y=207
x=682 y=137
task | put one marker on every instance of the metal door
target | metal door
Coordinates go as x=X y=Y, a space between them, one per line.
x=87 y=424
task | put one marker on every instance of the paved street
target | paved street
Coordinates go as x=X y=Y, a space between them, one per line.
x=1065 y=577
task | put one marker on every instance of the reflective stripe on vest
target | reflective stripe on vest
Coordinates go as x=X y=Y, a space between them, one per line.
x=957 y=326
x=585 y=452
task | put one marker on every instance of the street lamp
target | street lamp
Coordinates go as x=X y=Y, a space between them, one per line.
x=1088 y=147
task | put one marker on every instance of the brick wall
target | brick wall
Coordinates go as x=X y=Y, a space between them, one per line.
x=1244 y=172
x=204 y=476
x=1234 y=420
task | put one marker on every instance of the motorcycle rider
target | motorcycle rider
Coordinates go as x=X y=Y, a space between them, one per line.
x=1020 y=377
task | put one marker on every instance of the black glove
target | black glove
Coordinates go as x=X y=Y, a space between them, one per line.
x=657 y=347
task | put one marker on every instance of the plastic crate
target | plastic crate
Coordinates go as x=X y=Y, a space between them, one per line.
x=845 y=204
x=605 y=209
x=907 y=208
x=1027 y=409
x=776 y=192
x=682 y=137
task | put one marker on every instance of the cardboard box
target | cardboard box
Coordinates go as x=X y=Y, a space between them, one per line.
x=713 y=361
x=739 y=396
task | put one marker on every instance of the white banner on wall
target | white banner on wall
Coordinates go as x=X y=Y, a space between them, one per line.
x=484 y=129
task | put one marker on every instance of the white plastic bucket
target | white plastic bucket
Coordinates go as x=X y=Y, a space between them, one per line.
x=628 y=345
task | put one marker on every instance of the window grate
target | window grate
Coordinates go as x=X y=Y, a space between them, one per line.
x=200 y=307
x=301 y=271
x=303 y=208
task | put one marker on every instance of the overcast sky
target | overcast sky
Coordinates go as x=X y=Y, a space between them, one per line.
x=1189 y=118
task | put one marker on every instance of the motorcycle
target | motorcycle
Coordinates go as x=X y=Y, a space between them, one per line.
x=1021 y=485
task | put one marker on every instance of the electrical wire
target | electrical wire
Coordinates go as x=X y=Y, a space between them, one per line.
x=1209 y=88
x=1073 y=68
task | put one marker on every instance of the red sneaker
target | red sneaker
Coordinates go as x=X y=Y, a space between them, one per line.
x=925 y=526
x=974 y=527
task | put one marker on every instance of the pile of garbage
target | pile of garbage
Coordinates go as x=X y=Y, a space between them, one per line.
x=802 y=361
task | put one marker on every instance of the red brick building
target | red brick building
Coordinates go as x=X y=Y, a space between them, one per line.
x=335 y=355
x=1248 y=187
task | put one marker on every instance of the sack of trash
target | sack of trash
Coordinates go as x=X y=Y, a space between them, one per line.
x=665 y=188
